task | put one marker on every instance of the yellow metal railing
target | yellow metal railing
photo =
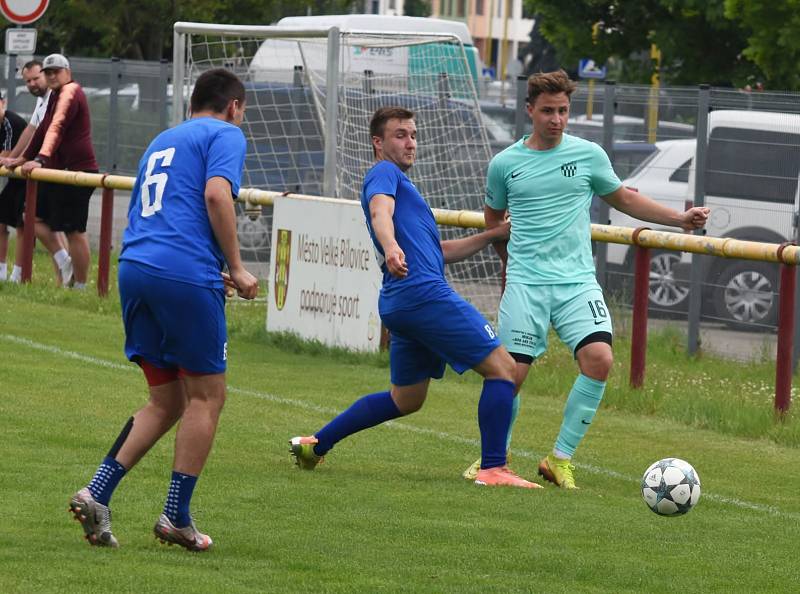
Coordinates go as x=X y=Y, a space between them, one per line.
x=714 y=246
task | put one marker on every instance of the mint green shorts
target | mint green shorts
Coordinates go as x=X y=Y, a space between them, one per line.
x=576 y=311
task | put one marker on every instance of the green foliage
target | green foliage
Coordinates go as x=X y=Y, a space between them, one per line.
x=418 y=8
x=773 y=36
x=142 y=29
x=700 y=40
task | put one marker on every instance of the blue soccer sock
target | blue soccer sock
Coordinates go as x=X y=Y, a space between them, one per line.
x=176 y=508
x=514 y=413
x=106 y=479
x=494 y=420
x=582 y=404
x=364 y=413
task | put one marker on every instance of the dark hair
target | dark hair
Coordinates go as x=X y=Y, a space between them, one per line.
x=214 y=89
x=549 y=82
x=31 y=64
x=378 y=123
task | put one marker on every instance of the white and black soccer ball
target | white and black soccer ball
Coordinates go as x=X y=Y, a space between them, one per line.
x=671 y=487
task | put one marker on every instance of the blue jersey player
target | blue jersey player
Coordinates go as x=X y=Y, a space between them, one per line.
x=429 y=323
x=546 y=182
x=181 y=231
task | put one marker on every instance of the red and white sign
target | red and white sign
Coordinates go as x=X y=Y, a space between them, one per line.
x=23 y=12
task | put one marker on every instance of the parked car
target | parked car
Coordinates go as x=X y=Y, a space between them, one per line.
x=627 y=128
x=751 y=186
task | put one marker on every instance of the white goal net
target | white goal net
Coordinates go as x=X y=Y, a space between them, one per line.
x=310 y=96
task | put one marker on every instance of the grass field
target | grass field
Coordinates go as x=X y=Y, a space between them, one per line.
x=387 y=511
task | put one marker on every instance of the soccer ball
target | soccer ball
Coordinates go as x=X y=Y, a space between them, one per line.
x=670 y=487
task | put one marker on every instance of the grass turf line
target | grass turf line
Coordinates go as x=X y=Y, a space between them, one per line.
x=387 y=511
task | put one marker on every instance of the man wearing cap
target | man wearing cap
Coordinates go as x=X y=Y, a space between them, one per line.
x=63 y=140
x=56 y=243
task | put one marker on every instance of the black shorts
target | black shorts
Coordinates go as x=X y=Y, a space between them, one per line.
x=64 y=207
x=12 y=202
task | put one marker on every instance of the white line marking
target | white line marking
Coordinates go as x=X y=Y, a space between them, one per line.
x=309 y=406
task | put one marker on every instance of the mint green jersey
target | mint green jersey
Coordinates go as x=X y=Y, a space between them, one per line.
x=548 y=195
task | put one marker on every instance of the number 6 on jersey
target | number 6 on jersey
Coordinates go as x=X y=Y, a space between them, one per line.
x=151 y=207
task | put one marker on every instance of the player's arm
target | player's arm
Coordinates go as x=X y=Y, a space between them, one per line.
x=14 y=157
x=495 y=218
x=381 y=211
x=644 y=208
x=222 y=215
x=455 y=250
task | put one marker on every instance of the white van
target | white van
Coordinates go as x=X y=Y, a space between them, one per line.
x=276 y=55
x=752 y=171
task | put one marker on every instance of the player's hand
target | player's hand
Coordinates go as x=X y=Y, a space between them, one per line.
x=244 y=283
x=502 y=232
x=230 y=288
x=11 y=162
x=396 y=262
x=29 y=166
x=695 y=218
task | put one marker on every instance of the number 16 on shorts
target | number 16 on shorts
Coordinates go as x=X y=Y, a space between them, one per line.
x=599 y=312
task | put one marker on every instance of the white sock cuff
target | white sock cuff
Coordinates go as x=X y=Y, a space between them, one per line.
x=60 y=257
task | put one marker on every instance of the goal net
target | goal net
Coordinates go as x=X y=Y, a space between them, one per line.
x=310 y=96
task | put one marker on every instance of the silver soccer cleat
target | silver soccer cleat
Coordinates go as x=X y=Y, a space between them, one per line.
x=188 y=537
x=95 y=519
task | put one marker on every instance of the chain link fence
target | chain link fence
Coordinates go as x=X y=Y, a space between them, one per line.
x=745 y=168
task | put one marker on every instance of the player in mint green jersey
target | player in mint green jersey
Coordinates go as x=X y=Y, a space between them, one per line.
x=546 y=182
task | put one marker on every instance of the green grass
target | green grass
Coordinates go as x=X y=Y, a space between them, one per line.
x=387 y=511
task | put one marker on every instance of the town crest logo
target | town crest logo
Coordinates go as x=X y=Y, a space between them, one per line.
x=283 y=256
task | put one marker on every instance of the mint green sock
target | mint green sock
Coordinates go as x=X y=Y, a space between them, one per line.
x=582 y=403
x=514 y=413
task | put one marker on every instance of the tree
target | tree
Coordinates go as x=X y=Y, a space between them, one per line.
x=773 y=37
x=142 y=29
x=697 y=41
x=419 y=8
x=538 y=55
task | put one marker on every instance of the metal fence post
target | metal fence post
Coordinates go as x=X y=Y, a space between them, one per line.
x=178 y=75
x=29 y=231
x=522 y=122
x=163 y=83
x=11 y=81
x=698 y=260
x=104 y=254
x=796 y=342
x=641 y=296
x=786 y=322
x=601 y=247
x=113 y=115
x=331 y=113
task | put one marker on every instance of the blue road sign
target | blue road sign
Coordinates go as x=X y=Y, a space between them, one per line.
x=587 y=68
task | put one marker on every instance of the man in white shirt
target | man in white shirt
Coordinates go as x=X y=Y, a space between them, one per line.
x=55 y=243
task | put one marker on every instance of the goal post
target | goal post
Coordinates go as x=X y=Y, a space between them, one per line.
x=310 y=95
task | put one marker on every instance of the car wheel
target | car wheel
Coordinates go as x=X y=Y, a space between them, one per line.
x=746 y=294
x=666 y=291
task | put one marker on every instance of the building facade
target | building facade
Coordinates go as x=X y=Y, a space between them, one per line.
x=498 y=27
x=384 y=7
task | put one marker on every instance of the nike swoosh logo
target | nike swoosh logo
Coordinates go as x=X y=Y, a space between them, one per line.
x=585 y=423
x=598 y=323
x=515 y=174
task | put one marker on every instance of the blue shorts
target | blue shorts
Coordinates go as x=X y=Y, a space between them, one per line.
x=172 y=324
x=424 y=339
